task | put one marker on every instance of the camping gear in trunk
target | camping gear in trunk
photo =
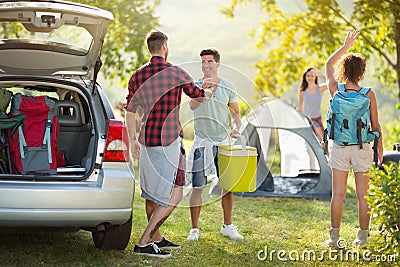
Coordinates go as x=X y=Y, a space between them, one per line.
x=33 y=147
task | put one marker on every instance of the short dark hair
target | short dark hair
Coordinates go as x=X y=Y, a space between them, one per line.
x=211 y=51
x=155 y=39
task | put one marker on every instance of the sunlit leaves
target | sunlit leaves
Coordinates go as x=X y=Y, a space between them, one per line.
x=12 y=30
x=384 y=200
x=314 y=30
x=124 y=47
x=393 y=129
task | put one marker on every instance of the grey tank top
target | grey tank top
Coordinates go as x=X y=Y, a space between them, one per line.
x=312 y=104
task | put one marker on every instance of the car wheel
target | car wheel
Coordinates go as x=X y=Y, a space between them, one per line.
x=112 y=236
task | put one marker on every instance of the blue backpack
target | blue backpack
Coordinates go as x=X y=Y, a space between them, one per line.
x=348 y=117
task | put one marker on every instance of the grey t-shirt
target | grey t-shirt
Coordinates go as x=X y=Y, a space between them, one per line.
x=211 y=119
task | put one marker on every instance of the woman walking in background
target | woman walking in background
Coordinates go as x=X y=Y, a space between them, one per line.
x=310 y=97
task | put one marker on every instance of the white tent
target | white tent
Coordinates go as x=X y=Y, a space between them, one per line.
x=278 y=130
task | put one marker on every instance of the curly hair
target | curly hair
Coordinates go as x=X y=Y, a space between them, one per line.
x=352 y=68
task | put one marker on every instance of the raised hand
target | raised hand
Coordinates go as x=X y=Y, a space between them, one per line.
x=351 y=38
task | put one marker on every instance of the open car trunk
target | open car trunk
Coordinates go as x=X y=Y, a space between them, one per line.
x=56 y=123
x=77 y=140
x=51 y=49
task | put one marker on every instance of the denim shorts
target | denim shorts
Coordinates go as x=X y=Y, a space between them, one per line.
x=199 y=180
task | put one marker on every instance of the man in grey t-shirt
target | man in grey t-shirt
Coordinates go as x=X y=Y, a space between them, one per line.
x=212 y=127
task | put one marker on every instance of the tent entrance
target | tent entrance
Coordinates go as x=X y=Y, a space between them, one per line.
x=288 y=154
x=285 y=185
x=291 y=162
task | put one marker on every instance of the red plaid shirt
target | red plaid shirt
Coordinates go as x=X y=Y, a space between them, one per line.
x=157 y=88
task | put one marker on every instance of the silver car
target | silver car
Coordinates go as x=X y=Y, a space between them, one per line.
x=52 y=48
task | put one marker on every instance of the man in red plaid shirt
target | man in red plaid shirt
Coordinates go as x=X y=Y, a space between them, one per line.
x=157 y=88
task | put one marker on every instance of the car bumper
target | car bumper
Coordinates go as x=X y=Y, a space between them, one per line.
x=68 y=204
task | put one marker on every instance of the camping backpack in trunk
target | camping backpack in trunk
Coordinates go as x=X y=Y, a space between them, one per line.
x=33 y=147
x=348 y=118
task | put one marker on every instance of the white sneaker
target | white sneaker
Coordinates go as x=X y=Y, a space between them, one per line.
x=193 y=234
x=361 y=239
x=230 y=231
x=333 y=238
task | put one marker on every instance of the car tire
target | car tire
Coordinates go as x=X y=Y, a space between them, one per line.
x=113 y=236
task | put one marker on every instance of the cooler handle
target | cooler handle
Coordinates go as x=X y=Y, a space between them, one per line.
x=242 y=142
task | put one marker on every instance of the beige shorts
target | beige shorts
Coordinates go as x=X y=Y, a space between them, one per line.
x=342 y=157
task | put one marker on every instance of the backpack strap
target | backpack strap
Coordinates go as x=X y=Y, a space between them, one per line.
x=364 y=90
x=21 y=141
x=47 y=141
x=360 y=125
x=375 y=146
x=341 y=87
x=325 y=138
x=332 y=121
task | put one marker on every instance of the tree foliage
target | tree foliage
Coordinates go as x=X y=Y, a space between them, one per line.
x=384 y=200
x=304 y=38
x=124 y=47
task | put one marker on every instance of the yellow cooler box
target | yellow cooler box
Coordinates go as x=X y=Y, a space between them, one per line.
x=237 y=168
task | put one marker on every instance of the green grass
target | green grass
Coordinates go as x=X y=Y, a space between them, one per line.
x=273 y=223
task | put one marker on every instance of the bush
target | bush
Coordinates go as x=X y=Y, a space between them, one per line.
x=384 y=200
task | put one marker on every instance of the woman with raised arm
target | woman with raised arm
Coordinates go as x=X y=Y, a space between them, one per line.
x=350 y=71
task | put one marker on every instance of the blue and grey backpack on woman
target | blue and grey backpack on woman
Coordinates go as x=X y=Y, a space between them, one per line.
x=348 y=118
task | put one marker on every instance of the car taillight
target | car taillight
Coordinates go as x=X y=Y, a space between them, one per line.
x=117 y=145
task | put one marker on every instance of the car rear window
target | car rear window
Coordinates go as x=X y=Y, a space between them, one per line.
x=67 y=39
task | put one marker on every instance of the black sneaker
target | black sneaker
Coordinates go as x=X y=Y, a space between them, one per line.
x=165 y=244
x=151 y=250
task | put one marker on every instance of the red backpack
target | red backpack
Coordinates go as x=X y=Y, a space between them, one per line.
x=33 y=148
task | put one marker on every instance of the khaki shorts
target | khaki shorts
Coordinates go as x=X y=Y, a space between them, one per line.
x=342 y=157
